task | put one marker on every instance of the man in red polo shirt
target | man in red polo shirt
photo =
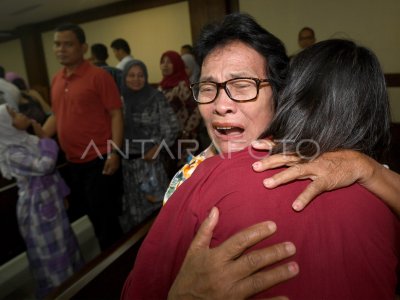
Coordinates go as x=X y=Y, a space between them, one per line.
x=88 y=120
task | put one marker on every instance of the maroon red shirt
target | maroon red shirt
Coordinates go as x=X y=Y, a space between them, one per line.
x=347 y=240
x=81 y=104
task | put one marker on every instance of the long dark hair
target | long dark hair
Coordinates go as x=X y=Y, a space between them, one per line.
x=335 y=99
x=242 y=27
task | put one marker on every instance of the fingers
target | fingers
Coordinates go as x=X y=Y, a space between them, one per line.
x=285 y=176
x=263 y=144
x=238 y=243
x=253 y=261
x=312 y=190
x=264 y=280
x=204 y=234
x=275 y=161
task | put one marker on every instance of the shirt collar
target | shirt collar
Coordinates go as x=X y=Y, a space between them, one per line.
x=79 y=71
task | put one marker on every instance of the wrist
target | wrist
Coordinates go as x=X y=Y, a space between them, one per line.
x=113 y=152
x=368 y=168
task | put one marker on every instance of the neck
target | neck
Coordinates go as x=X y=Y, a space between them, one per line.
x=69 y=69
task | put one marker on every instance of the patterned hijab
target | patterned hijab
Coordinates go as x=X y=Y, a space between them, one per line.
x=11 y=136
x=178 y=74
x=135 y=101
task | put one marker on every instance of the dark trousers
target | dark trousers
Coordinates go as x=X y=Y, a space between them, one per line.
x=98 y=196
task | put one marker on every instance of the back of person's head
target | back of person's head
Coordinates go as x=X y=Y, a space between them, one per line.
x=99 y=51
x=77 y=30
x=2 y=72
x=242 y=27
x=20 y=84
x=335 y=99
x=121 y=44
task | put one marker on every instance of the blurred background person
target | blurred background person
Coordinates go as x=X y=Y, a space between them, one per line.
x=186 y=49
x=51 y=246
x=175 y=87
x=32 y=104
x=306 y=37
x=122 y=52
x=150 y=122
x=9 y=93
x=99 y=56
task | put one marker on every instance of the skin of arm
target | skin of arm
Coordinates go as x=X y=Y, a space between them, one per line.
x=49 y=127
x=117 y=131
x=332 y=170
x=223 y=272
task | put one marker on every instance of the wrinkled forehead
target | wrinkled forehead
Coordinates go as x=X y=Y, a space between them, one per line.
x=237 y=57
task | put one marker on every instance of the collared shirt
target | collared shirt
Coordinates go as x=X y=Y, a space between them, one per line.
x=123 y=62
x=82 y=103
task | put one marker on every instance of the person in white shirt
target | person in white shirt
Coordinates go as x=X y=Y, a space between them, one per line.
x=122 y=52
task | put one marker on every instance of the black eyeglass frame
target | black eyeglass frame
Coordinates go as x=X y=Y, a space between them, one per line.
x=220 y=85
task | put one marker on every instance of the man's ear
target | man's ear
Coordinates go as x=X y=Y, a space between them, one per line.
x=85 y=48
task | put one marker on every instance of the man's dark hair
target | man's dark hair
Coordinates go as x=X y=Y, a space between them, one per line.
x=121 y=44
x=2 y=72
x=99 y=51
x=77 y=30
x=188 y=47
x=335 y=98
x=242 y=27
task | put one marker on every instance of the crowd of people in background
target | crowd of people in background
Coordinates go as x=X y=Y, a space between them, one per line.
x=120 y=137
x=126 y=144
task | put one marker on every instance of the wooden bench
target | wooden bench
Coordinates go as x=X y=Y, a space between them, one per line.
x=104 y=276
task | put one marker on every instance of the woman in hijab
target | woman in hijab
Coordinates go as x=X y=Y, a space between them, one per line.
x=175 y=86
x=51 y=246
x=32 y=103
x=150 y=126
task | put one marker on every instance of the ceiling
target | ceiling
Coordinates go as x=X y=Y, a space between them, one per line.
x=15 y=13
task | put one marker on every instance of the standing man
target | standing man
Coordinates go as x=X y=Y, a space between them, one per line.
x=88 y=120
x=99 y=55
x=122 y=52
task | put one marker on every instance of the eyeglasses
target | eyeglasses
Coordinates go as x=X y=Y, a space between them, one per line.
x=237 y=89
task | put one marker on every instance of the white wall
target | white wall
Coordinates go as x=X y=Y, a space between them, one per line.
x=374 y=24
x=149 y=33
x=11 y=57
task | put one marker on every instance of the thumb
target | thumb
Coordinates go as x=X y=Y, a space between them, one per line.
x=205 y=232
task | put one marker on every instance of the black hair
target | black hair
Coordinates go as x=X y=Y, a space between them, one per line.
x=335 y=99
x=77 y=30
x=99 y=51
x=2 y=72
x=20 y=84
x=188 y=48
x=242 y=27
x=121 y=44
